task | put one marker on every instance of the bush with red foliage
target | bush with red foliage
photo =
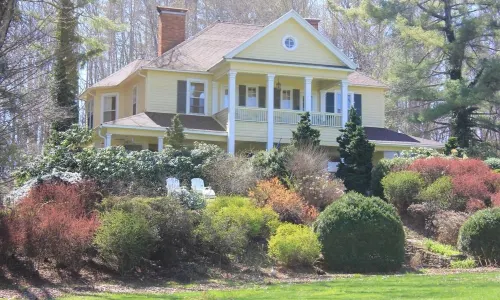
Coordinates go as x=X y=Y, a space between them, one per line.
x=288 y=204
x=495 y=200
x=474 y=205
x=431 y=168
x=55 y=222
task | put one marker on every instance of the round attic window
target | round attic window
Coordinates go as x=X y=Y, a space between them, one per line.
x=289 y=43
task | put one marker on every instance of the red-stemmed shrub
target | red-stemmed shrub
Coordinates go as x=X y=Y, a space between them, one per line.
x=288 y=204
x=474 y=205
x=469 y=186
x=468 y=167
x=431 y=168
x=54 y=222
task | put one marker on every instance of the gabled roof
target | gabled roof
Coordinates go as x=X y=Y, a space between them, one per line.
x=205 y=49
x=308 y=27
x=119 y=76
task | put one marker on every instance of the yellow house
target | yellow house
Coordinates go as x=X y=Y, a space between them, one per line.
x=240 y=86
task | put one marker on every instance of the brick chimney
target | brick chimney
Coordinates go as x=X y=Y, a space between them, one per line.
x=171 y=27
x=313 y=22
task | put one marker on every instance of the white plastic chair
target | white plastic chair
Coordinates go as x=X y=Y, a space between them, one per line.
x=198 y=185
x=173 y=184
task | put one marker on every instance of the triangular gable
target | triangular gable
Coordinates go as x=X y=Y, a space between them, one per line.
x=308 y=34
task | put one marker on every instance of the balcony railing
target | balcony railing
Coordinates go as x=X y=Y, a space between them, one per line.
x=281 y=116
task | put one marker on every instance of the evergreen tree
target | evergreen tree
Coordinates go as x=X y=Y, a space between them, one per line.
x=455 y=73
x=305 y=134
x=451 y=147
x=65 y=88
x=175 y=133
x=356 y=154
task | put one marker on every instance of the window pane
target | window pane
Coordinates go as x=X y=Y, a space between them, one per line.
x=134 y=109
x=226 y=98
x=339 y=103
x=252 y=97
x=197 y=99
x=109 y=116
x=113 y=103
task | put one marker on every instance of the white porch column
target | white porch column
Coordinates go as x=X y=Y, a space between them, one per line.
x=160 y=143
x=215 y=97
x=345 y=109
x=231 y=130
x=107 y=142
x=308 y=93
x=270 y=111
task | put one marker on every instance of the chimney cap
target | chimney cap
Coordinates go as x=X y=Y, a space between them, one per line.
x=167 y=9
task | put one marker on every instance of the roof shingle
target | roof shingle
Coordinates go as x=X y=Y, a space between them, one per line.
x=119 y=76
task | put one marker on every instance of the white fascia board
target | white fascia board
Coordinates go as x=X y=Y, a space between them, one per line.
x=192 y=131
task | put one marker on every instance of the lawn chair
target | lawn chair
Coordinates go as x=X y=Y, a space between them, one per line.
x=173 y=184
x=198 y=185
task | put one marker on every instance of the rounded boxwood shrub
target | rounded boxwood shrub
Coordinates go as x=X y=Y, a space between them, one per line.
x=361 y=234
x=439 y=193
x=493 y=163
x=294 y=245
x=402 y=188
x=479 y=236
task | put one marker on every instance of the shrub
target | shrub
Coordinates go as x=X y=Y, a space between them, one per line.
x=468 y=263
x=495 y=200
x=227 y=226
x=432 y=168
x=420 y=214
x=272 y=164
x=479 y=235
x=294 y=245
x=493 y=163
x=468 y=187
x=306 y=161
x=445 y=226
x=188 y=199
x=320 y=191
x=361 y=234
x=439 y=248
x=233 y=175
x=382 y=168
x=124 y=238
x=402 y=188
x=288 y=204
x=474 y=205
x=439 y=193
x=54 y=222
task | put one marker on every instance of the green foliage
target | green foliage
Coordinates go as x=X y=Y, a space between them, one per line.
x=272 y=163
x=439 y=248
x=356 y=154
x=189 y=199
x=124 y=238
x=451 y=147
x=382 y=168
x=419 y=152
x=294 y=245
x=468 y=263
x=479 y=235
x=305 y=135
x=439 y=193
x=229 y=223
x=361 y=234
x=493 y=163
x=402 y=188
x=175 y=133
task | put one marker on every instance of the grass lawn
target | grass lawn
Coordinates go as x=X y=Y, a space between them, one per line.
x=411 y=286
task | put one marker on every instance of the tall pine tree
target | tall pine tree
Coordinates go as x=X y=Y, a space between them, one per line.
x=455 y=73
x=356 y=154
x=305 y=135
x=65 y=87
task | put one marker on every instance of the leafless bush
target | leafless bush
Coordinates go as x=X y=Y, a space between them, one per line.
x=446 y=225
x=307 y=161
x=232 y=176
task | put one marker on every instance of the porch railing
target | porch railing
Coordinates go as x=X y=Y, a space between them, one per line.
x=281 y=116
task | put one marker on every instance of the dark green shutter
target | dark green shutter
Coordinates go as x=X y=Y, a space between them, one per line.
x=358 y=105
x=296 y=99
x=330 y=102
x=277 y=98
x=181 y=96
x=262 y=96
x=243 y=95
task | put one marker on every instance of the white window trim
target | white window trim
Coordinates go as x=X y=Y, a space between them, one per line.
x=348 y=94
x=135 y=97
x=256 y=95
x=90 y=112
x=286 y=88
x=117 y=95
x=294 y=39
x=188 y=95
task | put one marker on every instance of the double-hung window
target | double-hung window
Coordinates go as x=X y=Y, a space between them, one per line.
x=90 y=113
x=286 y=99
x=134 y=100
x=252 y=96
x=338 y=104
x=110 y=107
x=197 y=97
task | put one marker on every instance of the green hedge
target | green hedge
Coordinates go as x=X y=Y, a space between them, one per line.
x=480 y=235
x=361 y=234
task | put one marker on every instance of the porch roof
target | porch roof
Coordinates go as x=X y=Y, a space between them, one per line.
x=163 y=120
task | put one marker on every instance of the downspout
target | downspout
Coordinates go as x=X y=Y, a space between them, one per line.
x=101 y=136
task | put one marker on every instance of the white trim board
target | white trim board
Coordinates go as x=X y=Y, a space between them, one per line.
x=308 y=27
x=117 y=108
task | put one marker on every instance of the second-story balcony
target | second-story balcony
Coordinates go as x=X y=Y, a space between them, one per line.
x=280 y=116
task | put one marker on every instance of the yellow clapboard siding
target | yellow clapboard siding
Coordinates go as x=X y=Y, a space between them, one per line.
x=373 y=105
x=309 y=49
